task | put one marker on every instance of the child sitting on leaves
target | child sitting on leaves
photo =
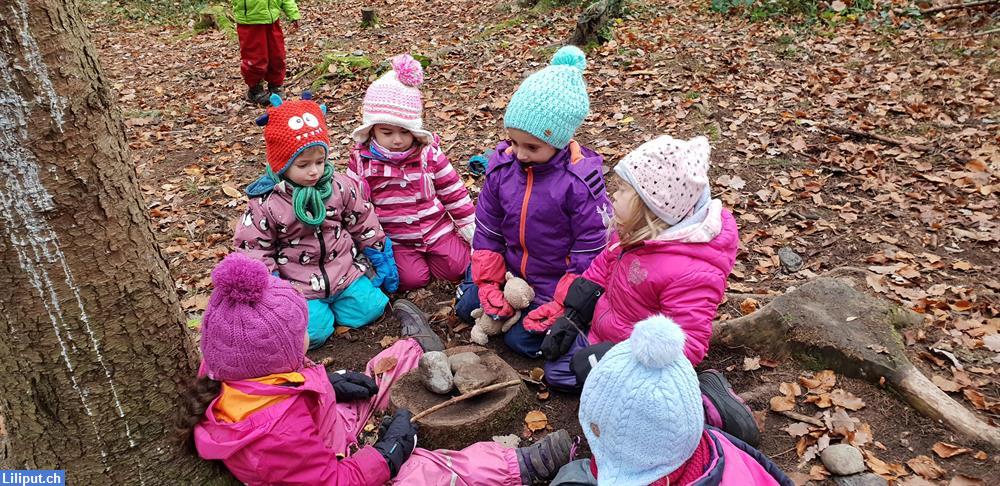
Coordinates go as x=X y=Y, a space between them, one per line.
x=420 y=200
x=641 y=411
x=542 y=209
x=307 y=224
x=273 y=417
x=671 y=252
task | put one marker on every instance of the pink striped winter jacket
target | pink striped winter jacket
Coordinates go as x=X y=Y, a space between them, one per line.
x=418 y=200
x=682 y=280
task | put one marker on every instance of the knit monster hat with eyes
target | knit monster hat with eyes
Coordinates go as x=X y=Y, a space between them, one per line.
x=290 y=128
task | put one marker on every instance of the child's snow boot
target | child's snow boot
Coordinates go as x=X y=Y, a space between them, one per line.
x=258 y=95
x=724 y=409
x=414 y=324
x=543 y=459
x=276 y=89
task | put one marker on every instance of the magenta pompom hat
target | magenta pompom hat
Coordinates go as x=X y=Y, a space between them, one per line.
x=254 y=325
x=394 y=99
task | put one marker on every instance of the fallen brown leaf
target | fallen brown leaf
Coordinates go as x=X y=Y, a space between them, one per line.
x=945 y=450
x=963 y=480
x=797 y=429
x=925 y=467
x=818 y=472
x=783 y=403
x=748 y=306
x=945 y=384
x=536 y=374
x=536 y=420
x=385 y=365
x=845 y=399
x=789 y=389
x=820 y=382
x=750 y=364
x=387 y=341
x=882 y=468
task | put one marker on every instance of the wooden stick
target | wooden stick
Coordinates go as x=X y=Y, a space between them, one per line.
x=957 y=5
x=803 y=418
x=473 y=393
x=873 y=136
x=974 y=34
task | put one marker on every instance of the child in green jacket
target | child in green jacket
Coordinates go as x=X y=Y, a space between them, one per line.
x=262 y=44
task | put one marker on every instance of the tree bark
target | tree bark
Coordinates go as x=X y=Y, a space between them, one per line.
x=368 y=18
x=594 y=19
x=94 y=345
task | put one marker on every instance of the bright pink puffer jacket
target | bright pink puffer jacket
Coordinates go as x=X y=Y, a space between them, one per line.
x=683 y=281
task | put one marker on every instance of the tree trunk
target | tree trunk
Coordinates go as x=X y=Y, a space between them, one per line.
x=594 y=20
x=94 y=344
x=368 y=18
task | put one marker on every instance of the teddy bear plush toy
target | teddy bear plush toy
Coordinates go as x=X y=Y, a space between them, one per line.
x=518 y=294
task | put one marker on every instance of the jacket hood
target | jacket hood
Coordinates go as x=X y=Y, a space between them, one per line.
x=719 y=252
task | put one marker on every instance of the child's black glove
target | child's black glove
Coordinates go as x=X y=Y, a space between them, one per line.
x=559 y=338
x=349 y=386
x=397 y=437
x=581 y=298
x=585 y=359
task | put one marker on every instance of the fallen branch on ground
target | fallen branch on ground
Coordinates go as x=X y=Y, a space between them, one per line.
x=802 y=418
x=873 y=136
x=473 y=393
x=943 y=8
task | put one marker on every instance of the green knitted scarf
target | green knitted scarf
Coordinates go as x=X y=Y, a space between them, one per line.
x=310 y=202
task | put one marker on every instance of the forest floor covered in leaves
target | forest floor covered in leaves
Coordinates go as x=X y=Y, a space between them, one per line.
x=869 y=139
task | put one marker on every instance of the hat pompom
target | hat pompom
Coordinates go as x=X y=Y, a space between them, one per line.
x=408 y=70
x=240 y=278
x=657 y=341
x=570 y=56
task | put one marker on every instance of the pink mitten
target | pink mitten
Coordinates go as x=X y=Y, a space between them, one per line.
x=488 y=272
x=542 y=318
x=492 y=301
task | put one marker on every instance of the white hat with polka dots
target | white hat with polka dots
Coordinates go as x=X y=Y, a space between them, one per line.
x=669 y=174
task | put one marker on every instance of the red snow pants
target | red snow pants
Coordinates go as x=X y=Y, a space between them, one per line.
x=262 y=53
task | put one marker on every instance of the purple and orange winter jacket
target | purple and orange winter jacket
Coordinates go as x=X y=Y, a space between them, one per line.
x=545 y=219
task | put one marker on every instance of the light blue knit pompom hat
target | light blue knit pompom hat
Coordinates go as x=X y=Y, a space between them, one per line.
x=552 y=103
x=641 y=406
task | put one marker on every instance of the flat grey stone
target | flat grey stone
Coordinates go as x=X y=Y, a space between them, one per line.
x=461 y=359
x=436 y=372
x=472 y=377
x=842 y=459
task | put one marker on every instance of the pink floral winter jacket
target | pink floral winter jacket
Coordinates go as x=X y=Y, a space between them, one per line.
x=318 y=263
x=293 y=441
x=682 y=280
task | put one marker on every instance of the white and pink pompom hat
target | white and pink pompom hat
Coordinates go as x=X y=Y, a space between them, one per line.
x=394 y=99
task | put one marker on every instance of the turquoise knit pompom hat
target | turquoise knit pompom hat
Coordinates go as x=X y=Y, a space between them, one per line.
x=552 y=103
x=641 y=406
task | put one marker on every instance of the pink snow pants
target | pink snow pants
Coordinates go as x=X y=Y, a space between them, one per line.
x=446 y=259
x=483 y=463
